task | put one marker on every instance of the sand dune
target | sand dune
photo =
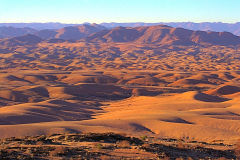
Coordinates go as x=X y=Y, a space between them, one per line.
x=172 y=116
x=101 y=79
x=180 y=115
x=128 y=101
x=46 y=111
x=225 y=90
x=13 y=96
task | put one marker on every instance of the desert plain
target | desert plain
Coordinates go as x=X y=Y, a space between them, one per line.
x=160 y=84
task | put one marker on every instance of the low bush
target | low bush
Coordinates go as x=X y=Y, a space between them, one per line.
x=123 y=144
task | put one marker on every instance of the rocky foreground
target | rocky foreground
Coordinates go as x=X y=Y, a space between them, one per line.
x=112 y=146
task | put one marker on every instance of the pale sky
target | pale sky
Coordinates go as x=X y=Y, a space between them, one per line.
x=98 y=11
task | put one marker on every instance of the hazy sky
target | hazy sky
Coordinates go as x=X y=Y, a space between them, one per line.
x=79 y=11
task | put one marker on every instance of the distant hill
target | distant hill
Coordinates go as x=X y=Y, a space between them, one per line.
x=164 y=35
x=205 y=26
x=28 y=39
x=37 y=26
x=6 y=32
x=78 y=32
x=66 y=33
x=46 y=33
x=217 y=27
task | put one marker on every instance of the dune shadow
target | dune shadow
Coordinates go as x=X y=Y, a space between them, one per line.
x=176 y=120
x=139 y=127
x=209 y=98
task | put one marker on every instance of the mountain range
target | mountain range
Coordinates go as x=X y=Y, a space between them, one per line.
x=204 y=26
x=159 y=34
x=164 y=35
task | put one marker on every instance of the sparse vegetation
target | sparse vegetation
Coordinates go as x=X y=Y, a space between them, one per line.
x=105 y=146
x=98 y=146
x=144 y=137
x=123 y=144
x=237 y=149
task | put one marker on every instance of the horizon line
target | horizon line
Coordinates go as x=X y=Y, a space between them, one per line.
x=125 y=22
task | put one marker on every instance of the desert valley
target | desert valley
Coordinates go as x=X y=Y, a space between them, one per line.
x=152 y=82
